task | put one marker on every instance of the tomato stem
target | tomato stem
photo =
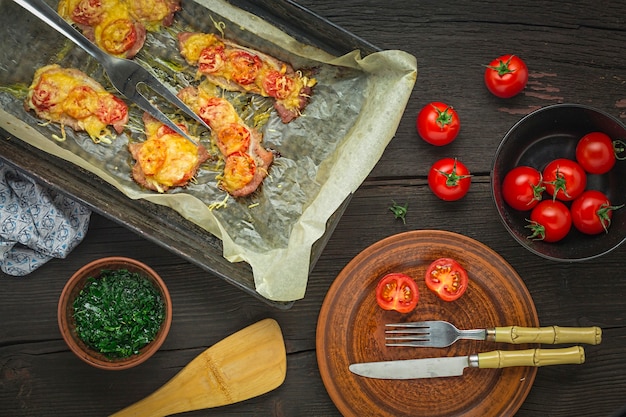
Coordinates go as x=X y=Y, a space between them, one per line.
x=538 y=231
x=503 y=67
x=560 y=184
x=619 y=147
x=444 y=117
x=603 y=215
x=452 y=178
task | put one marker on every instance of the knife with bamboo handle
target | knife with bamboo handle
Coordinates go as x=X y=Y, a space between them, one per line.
x=454 y=366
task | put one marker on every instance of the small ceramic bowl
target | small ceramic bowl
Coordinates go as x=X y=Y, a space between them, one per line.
x=66 y=312
x=546 y=134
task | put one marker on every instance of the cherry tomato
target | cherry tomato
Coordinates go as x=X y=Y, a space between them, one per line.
x=438 y=124
x=550 y=221
x=397 y=291
x=522 y=188
x=564 y=179
x=592 y=212
x=447 y=278
x=449 y=179
x=595 y=153
x=506 y=76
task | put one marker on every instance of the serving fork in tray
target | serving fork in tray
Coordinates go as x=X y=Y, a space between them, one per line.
x=442 y=334
x=125 y=75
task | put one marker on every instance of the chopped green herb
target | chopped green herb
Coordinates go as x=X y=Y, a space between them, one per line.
x=399 y=211
x=118 y=313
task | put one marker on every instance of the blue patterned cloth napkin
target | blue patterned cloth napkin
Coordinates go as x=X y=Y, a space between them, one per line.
x=36 y=224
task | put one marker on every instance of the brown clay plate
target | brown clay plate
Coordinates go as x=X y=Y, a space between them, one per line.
x=350 y=329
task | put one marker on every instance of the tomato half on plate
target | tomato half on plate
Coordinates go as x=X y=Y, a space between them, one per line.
x=447 y=278
x=397 y=291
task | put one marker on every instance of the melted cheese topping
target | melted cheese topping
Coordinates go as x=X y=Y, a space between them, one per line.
x=250 y=70
x=118 y=26
x=238 y=172
x=70 y=97
x=166 y=158
x=233 y=138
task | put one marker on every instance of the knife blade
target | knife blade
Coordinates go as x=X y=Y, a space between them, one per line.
x=455 y=365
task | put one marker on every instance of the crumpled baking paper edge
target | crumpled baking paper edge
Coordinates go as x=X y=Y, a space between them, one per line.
x=282 y=274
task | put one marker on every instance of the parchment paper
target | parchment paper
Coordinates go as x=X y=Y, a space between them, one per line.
x=325 y=155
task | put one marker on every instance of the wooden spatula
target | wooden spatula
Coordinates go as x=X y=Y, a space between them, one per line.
x=246 y=364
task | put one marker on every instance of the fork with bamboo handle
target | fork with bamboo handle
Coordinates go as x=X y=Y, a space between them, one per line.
x=442 y=334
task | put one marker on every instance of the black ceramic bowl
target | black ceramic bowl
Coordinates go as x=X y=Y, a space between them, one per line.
x=546 y=134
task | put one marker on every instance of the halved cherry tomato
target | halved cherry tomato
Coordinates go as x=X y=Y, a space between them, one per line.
x=397 y=291
x=447 y=278
x=522 y=188
x=595 y=153
x=592 y=212
x=564 y=179
x=550 y=221
x=506 y=76
x=449 y=179
x=438 y=124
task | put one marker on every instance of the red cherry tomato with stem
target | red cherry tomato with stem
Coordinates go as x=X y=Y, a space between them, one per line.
x=522 y=188
x=449 y=179
x=506 y=76
x=438 y=124
x=447 y=278
x=397 y=291
x=550 y=221
x=595 y=152
x=564 y=179
x=592 y=212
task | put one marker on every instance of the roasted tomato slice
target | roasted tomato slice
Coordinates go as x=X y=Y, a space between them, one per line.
x=397 y=292
x=447 y=278
x=278 y=85
x=245 y=67
x=88 y=12
x=112 y=110
x=81 y=102
x=211 y=59
x=119 y=36
x=233 y=138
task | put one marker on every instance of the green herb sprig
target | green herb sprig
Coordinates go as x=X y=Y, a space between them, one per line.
x=399 y=211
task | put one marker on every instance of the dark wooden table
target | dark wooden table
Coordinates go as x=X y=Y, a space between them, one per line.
x=575 y=52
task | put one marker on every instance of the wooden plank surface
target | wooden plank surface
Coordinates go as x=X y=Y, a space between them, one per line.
x=575 y=54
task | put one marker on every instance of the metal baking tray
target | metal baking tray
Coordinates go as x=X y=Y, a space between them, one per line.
x=160 y=224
